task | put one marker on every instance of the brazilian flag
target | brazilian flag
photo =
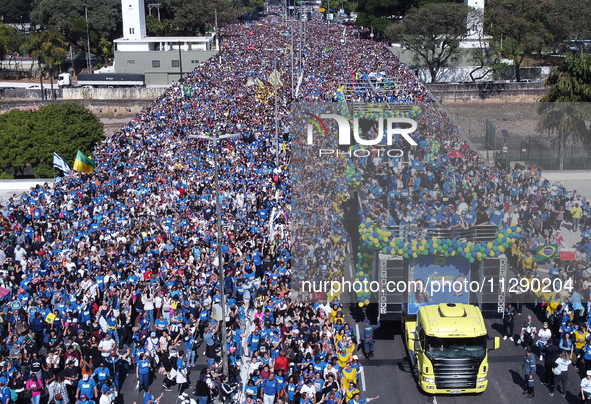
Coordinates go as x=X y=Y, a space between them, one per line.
x=83 y=164
x=187 y=90
x=546 y=252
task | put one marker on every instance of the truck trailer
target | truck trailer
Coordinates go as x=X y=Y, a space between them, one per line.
x=102 y=80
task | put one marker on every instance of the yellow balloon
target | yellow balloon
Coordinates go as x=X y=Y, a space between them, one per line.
x=414 y=255
x=423 y=241
x=489 y=245
x=413 y=248
x=453 y=253
x=421 y=248
x=501 y=248
x=467 y=250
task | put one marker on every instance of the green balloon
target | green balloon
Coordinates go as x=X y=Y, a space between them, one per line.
x=449 y=242
x=459 y=250
x=482 y=249
x=472 y=248
x=505 y=245
x=439 y=248
x=446 y=254
x=405 y=255
x=495 y=248
x=471 y=260
x=405 y=249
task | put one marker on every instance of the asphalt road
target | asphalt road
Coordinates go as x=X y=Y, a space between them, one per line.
x=389 y=376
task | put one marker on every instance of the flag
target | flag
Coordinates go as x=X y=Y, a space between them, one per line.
x=250 y=82
x=58 y=162
x=274 y=79
x=83 y=164
x=187 y=90
x=546 y=252
x=258 y=82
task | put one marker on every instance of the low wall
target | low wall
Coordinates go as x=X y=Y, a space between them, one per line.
x=488 y=92
x=119 y=93
x=102 y=108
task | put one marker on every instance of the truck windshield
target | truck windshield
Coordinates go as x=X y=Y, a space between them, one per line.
x=455 y=347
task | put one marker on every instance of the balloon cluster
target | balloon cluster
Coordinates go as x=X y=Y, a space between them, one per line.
x=353 y=177
x=388 y=114
x=374 y=238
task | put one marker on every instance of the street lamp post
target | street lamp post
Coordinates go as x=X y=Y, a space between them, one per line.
x=216 y=139
x=89 y=66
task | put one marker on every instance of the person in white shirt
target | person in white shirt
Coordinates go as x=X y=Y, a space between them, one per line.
x=586 y=388
x=544 y=335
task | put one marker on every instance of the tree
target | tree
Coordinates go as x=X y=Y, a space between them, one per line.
x=16 y=11
x=48 y=49
x=433 y=33
x=486 y=54
x=31 y=137
x=106 y=50
x=159 y=28
x=521 y=26
x=67 y=17
x=564 y=110
x=192 y=17
x=379 y=13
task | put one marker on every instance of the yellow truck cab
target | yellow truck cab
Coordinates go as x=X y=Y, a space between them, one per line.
x=448 y=348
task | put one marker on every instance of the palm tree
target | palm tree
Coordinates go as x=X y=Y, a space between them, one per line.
x=48 y=48
x=562 y=110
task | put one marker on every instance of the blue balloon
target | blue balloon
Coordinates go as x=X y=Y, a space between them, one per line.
x=517 y=236
x=450 y=249
x=487 y=251
x=431 y=250
x=474 y=254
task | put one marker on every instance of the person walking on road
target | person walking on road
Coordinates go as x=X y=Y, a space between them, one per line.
x=528 y=332
x=586 y=388
x=551 y=353
x=529 y=371
x=561 y=373
x=509 y=322
x=368 y=340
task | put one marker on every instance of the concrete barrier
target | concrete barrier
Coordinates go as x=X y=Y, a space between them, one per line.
x=102 y=108
x=116 y=93
x=488 y=92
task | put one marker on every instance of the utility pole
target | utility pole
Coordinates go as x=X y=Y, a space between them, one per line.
x=224 y=330
x=276 y=117
x=180 y=62
x=291 y=35
x=88 y=66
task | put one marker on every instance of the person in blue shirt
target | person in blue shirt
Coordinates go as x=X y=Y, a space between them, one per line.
x=4 y=393
x=142 y=371
x=101 y=373
x=270 y=388
x=87 y=386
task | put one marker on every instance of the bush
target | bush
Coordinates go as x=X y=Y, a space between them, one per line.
x=5 y=176
x=33 y=136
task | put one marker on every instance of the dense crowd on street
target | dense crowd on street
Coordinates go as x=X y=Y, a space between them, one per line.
x=113 y=277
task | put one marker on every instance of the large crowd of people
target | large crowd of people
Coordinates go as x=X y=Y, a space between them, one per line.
x=113 y=277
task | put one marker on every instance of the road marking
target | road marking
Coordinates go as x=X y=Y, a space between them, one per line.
x=434 y=400
x=363 y=387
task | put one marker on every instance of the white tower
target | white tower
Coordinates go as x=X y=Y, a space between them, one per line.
x=134 y=19
x=476 y=26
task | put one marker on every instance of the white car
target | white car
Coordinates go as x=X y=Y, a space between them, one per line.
x=34 y=87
